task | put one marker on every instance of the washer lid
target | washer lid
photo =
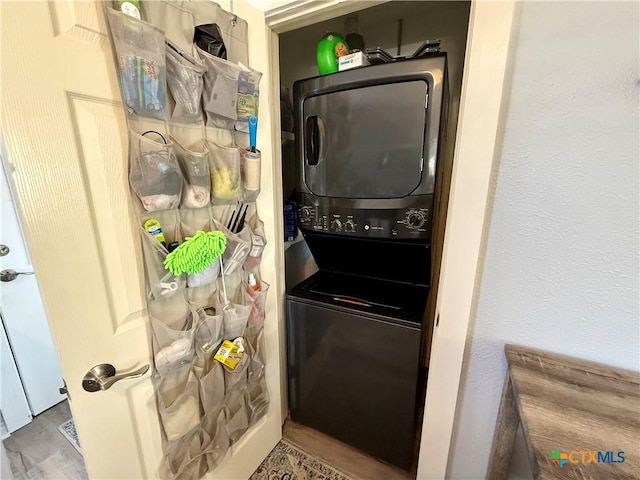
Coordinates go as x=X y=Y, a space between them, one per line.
x=391 y=301
x=394 y=259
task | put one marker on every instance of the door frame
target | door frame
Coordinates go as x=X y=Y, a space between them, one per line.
x=477 y=144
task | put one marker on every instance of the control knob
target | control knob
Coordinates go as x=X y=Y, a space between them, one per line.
x=415 y=219
x=349 y=226
x=336 y=225
x=306 y=213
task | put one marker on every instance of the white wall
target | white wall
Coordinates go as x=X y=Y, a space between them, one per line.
x=266 y=5
x=561 y=265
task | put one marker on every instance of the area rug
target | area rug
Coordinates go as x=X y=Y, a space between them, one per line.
x=68 y=430
x=286 y=462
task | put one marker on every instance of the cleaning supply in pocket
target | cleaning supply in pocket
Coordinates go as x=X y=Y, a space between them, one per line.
x=152 y=226
x=176 y=352
x=206 y=276
x=248 y=97
x=231 y=354
x=195 y=196
x=330 y=47
x=153 y=203
x=130 y=7
x=253 y=132
x=253 y=282
x=196 y=253
x=226 y=183
x=255 y=254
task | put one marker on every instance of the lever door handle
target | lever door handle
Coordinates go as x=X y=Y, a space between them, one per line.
x=9 y=275
x=103 y=376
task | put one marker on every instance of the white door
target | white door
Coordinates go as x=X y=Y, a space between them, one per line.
x=24 y=320
x=64 y=132
x=13 y=402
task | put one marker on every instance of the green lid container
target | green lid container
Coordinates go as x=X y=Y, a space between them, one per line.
x=330 y=47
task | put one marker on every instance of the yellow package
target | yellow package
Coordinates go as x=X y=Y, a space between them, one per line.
x=229 y=354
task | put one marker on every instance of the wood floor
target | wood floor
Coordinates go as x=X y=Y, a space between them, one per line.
x=348 y=460
x=39 y=451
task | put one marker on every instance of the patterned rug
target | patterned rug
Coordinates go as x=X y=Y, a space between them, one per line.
x=68 y=431
x=286 y=462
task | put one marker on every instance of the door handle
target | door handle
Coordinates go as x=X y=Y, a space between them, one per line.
x=103 y=376
x=9 y=275
x=312 y=141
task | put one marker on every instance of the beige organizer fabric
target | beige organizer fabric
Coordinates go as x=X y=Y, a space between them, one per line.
x=203 y=406
x=179 y=18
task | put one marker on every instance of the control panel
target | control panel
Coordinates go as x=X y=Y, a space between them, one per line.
x=406 y=223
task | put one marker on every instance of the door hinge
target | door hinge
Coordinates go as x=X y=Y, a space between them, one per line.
x=63 y=389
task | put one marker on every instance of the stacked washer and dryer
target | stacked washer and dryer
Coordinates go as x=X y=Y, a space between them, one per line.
x=370 y=168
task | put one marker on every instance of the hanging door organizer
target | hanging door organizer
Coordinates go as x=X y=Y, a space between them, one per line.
x=194 y=184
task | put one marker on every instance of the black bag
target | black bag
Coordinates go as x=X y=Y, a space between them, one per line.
x=209 y=39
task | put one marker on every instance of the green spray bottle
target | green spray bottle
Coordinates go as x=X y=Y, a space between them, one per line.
x=329 y=48
x=130 y=7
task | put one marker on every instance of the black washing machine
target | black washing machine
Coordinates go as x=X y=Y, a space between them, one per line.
x=368 y=147
x=353 y=361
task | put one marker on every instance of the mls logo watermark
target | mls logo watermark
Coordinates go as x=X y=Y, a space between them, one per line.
x=586 y=456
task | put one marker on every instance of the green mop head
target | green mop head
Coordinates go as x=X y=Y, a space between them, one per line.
x=196 y=253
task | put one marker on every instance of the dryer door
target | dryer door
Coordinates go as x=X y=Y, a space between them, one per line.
x=365 y=142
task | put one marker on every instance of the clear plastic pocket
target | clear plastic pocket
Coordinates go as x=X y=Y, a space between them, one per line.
x=193 y=220
x=212 y=387
x=208 y=336
x=182 y=457
x=203 y=296
x=220 y=94
x=178 y=403
x=140 y=53
x=259 y=297
x=194 y=163
x=238 y=248
x=248 y=96
x=258 y=243
x=160 y=281
x=235 y=316
x=237 y=377
x=257 y=400
x=236 y=415
x=173 y=322
x=225 y=167
x=215 y=451
x=251 y=162
x=154 y=172
x=184 y=77
x=255 y=342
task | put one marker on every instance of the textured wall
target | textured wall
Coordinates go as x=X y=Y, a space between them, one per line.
x=561 y=265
